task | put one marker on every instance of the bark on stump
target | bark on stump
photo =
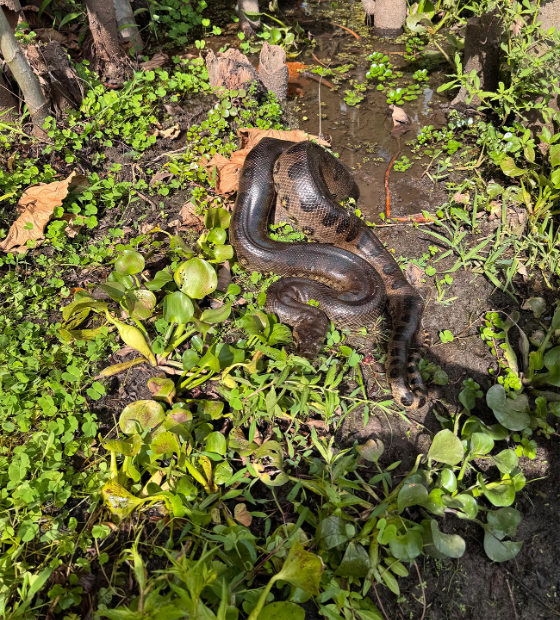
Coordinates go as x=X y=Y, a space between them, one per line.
x=59 y=81
x=231 y=70
x=248 y=26
x=273 y=70
x=390 y=16
x=482 y=53
x=125 y=17
x=106 y=55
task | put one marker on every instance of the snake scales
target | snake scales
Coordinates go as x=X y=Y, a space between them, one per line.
x=347 y=270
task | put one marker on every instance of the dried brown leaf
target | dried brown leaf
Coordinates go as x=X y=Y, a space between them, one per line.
x=462 y=198
x=171 y=132
x=162 y=175
x=36 y=208
x=188 y=215
x=156 y=61
x=226 y=171
x=242 y=515
x=414 y=274
x=399 y=116
x=71 y=229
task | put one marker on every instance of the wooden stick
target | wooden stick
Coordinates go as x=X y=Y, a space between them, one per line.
x=347 y=30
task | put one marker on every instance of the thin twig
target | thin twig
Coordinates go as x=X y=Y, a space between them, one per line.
x=423 y=592
x=528 y=589
x=512 y=599
x=347 y=30
x=184 y=148
x=379 y=601
x=322 y=65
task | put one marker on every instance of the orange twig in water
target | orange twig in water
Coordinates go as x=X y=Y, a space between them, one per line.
x=387 y=192
x=347 y=30
x=322 y=65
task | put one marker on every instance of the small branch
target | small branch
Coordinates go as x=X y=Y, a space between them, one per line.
x=347 y=30
x=423 y=592
x=379 y=601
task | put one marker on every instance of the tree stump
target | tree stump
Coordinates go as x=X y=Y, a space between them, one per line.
x=248 y=26
x=59 y=82
x=273 y=70
x=390 y=16
x=231 y=70
x=482 y=53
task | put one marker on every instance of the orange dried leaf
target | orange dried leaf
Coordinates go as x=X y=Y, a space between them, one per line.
x=37 y=206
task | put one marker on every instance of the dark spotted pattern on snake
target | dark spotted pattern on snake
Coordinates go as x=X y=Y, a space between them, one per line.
x=347 y=270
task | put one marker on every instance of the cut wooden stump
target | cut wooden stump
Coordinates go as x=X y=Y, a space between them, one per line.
x=273 y=70
x=231 y=70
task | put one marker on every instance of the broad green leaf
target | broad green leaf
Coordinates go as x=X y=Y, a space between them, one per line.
x=129 y=263
x=506 y=461
x=238 y=442
x=500 y=551
x=217 y=236
x=165 y=443
x=196 y=278
x=282 y=610
x=434 y=503
x=160 y=280
x=331 y=532
x=510 y=413
x=408 y=546
x=500 y=494
x=510 y=169
x=115 y=290
x=463 y=501
x=223 y=473
x=162 y=389
x=216 y=315
x=552 y=361
x=355 y=562
x=554 y=155
x=216 y=218
x=186 y=487
x=190 y=359
x=141 y=303
x=134 y=338
x=448 y=480
x=412 y=494
x=141 y=415
x=216 y=442
x=126 y=447
x=503 y=522
x=446 y=448
x=481 y=444
x=212 y=408
x=177 y=308
x=451 y=545
x=302 y=569
x=84 y=303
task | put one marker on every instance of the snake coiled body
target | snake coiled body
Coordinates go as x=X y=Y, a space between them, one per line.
x=347 y=270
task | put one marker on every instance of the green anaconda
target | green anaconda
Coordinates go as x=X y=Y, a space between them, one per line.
x=347 y=271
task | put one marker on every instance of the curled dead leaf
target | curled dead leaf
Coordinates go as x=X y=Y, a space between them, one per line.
x=36 y=207
x=188 y=215
x=399 y=116
x=156 y=62
x=242 y=515
x=171 y=132
x=162 y=175
x=462 y=198
x=225 y=171
x=71 y=229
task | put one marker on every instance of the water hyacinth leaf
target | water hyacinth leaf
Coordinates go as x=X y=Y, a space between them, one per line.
x=302 y=569
x=115 y=369
x=125 y=447
x=552 y=361
x=130 y=263
x=451 y=545
x=115 y=290
x=238 y=442
x=498 y=550
x=176 y=243
x=503 y=522
x=510 y=169
x=127 y=281
x=448 y=480
x=141 y=303
x=186 y=487
x=118 y=500
x=481 y=444
x=506 y=461
x=408 y=546
x=446 y=448
x=269 y=462
x=160 y=280
x=223 y=473
x=355 y=562
x=331 y=532
x=141 y=415
x=282 y=610
x=212 y=408
x=512 y=414
x=134 y=338
x=81 y=305
x=222 y=253
x=412 y=494
x=216 y=442
x=190 y=359
x=216 y=218
x=464 y=502
x=500 y=494
x=372 y=450
x=196 y=278
x=162 y=389
x=537 y=305
x=216 y=315
x=434 y=503
x=217 y=236
x=165 y=443
x=177 y=308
